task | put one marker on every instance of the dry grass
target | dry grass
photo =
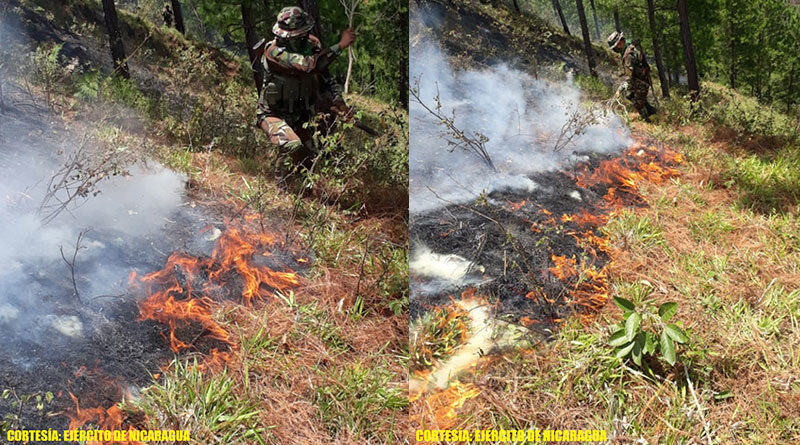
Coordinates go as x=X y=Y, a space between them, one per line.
x=324 y=364
x=732 y=271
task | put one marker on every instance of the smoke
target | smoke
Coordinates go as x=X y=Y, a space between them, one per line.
x=523 y=118
x=122 y=219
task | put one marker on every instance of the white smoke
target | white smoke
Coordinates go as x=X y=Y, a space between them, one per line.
x=447 y=267
x=126 y=215
x=522 y=117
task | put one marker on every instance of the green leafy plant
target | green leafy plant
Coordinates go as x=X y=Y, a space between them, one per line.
x=16 y=403
x=646 y=331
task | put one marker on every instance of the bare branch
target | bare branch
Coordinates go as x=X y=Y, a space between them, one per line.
x=475 y=143
x=71 y=264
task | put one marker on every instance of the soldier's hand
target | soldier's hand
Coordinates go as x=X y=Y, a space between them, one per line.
x=345 y=113
x=314 y=40
x=348 y=37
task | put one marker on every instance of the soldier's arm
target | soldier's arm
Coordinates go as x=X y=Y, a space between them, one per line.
x=305 y=64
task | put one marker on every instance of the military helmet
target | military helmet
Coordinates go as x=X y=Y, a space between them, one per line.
x=614 y=38
x=292 y=22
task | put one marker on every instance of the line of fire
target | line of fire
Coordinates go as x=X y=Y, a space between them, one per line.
x=506 y=217
x=99 y=300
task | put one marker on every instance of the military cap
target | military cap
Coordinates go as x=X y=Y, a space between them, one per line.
x=292 y=22
x=614 y=38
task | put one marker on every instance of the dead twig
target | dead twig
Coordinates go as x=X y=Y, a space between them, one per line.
x=457 y=138
x=71 y=264
x=361 y=268
x=697 y=404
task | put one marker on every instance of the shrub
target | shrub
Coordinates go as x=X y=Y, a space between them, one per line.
x=645 y=331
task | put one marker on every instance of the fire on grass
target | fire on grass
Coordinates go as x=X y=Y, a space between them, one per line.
x=572 y=275
x=183 y=295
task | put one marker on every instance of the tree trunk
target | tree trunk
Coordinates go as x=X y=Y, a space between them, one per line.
x=516 y=6
x=176 y=9
x=662 y=74
x=115 y=39
x=732 y=50
x=560 y=14
x=790 y=90
x=587 y=41
x=596 y=22
x=617 y=26
x=251 y=39
x=311 y=7
x=688 y=50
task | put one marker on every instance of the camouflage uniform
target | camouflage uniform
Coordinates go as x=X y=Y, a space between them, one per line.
x=167 y=14
x=297 y=85
x=637 y=85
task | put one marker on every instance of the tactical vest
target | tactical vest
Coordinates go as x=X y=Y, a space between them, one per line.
x=643 y=73
x=286 y=91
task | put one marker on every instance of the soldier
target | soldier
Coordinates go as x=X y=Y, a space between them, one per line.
x=638 y=72
x=297 y=86
x=167 y=14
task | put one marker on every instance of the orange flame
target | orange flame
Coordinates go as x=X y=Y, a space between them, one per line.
x=564 y=267
x=441 y=407
x=174 y=299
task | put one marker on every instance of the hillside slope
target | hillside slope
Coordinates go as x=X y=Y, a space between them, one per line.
x=714 y=232
x=291 y=364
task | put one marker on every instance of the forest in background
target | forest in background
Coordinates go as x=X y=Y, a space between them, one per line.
x=748 y=46
x=379 y=67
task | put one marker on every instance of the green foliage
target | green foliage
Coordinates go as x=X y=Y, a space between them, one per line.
x=17 y=402
x=769 y=182
x=594 y=87
x=381 y=49
x=208 y=405
x=646 y=332
x=436 y=336
x=634 y=231
x=744 y=116
x=46 y=70
x=709 y=226
x=351 y=399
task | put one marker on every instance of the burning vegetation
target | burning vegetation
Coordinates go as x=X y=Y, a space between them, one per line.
x=186 y=290
x=545 y=257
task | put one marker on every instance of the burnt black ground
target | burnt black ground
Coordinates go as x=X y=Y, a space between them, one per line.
x=115 y=352
x=490 y=233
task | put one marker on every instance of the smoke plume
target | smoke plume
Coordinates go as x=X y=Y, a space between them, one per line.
x=524 y=119
x=122 y=218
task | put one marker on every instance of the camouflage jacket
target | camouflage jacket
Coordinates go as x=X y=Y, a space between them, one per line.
x=293 y=82
x=635 y=63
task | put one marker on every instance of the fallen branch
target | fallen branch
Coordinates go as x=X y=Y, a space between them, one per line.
x=71 y=264
x=475 y=143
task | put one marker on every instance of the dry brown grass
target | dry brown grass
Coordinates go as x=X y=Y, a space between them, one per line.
x=733 y=273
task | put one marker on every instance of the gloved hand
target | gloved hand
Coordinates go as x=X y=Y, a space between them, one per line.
x=343 y=111
x=348 y=37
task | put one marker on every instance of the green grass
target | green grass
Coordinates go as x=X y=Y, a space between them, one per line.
x=436 y=335
x=709 y=226
x=353 y=397
x=768 y=183
x=210 y=406
x=635 y=231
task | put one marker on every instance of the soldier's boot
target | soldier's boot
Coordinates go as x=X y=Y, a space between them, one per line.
x=651 y=110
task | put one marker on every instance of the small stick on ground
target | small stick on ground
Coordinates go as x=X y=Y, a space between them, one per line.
x=697 y=404
x=361 y=269
x=71 y=264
